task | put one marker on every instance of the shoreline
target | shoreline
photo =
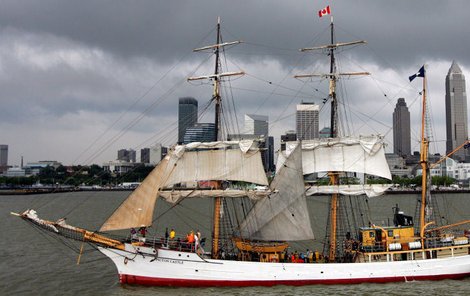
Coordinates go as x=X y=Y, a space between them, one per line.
x=55 y=190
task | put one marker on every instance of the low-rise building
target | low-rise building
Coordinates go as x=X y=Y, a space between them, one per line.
x=118 y=166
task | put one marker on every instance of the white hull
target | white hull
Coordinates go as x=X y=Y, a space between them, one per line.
x=174 y=268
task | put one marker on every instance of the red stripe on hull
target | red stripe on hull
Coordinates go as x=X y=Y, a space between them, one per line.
x=150 y=281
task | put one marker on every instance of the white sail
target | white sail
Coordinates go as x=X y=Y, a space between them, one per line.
x=284 y=215
x=363 y=154
x=235 y=161
x=371 y=190
x=174 y=196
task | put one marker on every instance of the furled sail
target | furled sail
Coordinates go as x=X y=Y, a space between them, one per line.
x=231 y=160
x=363 y=154
x=137 y=209
x=284 y=215
x=371 y=190
x=173 y=196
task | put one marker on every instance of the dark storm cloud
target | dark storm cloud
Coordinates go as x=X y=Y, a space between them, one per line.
x=164 y=30
x=85 y=59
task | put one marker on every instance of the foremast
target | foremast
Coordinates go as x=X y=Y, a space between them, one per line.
x=333 y=76
x=217 y=99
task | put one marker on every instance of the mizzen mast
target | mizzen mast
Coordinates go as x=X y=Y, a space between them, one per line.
x=424 y=152
x=333 y=76
x=216 y=77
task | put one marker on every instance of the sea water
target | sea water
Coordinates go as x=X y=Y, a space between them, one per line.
x=36 y=263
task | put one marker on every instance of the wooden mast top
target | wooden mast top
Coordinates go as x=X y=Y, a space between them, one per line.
x=218 y=107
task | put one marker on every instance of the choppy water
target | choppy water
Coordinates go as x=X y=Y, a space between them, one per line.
x=34 y=263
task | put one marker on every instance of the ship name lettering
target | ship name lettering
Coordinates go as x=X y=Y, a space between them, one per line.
x=170 y=260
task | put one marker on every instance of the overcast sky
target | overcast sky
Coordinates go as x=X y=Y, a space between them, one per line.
x=81 y=79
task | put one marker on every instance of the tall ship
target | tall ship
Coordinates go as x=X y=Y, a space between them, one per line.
x=256 y=222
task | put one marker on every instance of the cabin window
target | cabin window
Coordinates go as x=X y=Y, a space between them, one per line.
x=372 y=234
x=390 y=233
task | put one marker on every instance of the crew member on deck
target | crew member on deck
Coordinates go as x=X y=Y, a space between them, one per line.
x=143 y=231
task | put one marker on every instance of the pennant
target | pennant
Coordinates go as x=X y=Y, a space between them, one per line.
x=419 y=74
x=324 y=11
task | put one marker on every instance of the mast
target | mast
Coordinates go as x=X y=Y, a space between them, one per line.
x=332 y=92
x=332 y=77
x=334 y=177
x=216 y=96
x=424 y=164
x=217 y=120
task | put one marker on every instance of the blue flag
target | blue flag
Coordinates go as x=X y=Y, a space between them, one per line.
x=419 y=74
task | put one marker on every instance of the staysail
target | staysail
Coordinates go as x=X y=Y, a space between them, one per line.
x=364 y=154
x=230 y=161
x=137 y=209
x=284 y=215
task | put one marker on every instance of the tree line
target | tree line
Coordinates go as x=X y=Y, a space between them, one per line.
x=77 y=175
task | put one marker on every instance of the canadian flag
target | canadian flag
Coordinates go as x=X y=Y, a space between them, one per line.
x=324 y=11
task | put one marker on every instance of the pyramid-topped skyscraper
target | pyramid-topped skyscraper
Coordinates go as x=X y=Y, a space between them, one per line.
x=456 y=112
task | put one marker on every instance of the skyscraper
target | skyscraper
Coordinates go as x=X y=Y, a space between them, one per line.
x=145 y=155
x=128 y=155
x=187 y=115
x=456 y=111
x=401 y=129
x=307 y=120
x=152 y=155
x=157 y=152
x=199 y=132
x=256 y=125
x=3 y=158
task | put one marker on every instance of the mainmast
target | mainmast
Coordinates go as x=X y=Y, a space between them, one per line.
x=332 y=77
x=332 y=92
x=216 y=77
x=216 y=96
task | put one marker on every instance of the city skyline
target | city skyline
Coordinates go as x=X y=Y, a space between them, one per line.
x=91 y=88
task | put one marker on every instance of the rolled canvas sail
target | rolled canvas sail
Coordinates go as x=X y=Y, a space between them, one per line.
x=177 y=195
x=371 y=190
x=361 y=155
x=284 y=215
